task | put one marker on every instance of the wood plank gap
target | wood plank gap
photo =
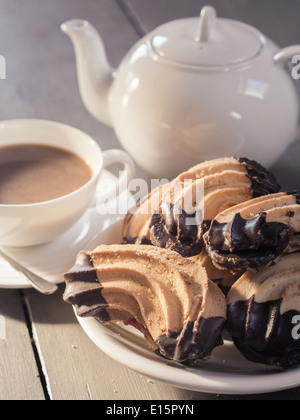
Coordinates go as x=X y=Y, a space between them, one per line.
x=132 y=17
x=42 y=375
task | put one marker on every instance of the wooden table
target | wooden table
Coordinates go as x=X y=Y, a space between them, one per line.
x=44 y=353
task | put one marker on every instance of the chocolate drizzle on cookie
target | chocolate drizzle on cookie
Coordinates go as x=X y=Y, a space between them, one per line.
x=83 y=289
x=245 y=235
x=263 y=181
x=254 y=233
x=247 y=243
x=262 y=334
x=262 y=308
x=195 y=342
x=176 y=233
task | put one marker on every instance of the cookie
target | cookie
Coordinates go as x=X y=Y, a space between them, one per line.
x=167 y=297
x=224 y=279
x=211 y=188
x=255 y=233
x=264 y=313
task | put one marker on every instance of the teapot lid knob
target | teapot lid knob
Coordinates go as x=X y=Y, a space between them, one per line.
x=208 y=42
x=208 y=17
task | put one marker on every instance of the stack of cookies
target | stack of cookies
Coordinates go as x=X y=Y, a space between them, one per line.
x=193 y=265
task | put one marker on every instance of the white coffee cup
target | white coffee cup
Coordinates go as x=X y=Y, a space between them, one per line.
x=38 y=223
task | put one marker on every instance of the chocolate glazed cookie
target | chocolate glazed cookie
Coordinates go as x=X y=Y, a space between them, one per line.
x=211 y=188
x=255 y=233
x=263 y=313
x=168 y=298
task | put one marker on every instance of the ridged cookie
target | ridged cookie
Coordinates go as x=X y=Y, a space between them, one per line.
x=224 y=279
x=255 y=233
x=264 y=311
x=168 y=298
x=211 y=188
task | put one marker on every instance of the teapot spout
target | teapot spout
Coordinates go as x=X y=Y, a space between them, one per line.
x=95 y=75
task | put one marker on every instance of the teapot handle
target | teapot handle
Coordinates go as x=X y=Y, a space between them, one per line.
x=287 y=54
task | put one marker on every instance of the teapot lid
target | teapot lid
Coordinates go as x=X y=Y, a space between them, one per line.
x=212 y=42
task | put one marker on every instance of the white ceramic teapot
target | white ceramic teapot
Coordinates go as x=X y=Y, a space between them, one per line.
x=190 y=91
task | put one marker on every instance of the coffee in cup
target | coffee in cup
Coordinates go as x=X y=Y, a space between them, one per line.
x=49 y=174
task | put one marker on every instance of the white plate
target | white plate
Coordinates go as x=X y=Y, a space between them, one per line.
x=227 y=372
x=53 y=259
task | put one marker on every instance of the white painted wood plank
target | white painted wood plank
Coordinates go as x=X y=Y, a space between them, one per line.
x=19 y=378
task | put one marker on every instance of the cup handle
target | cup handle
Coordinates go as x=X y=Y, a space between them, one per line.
x=287 y=54
x=118 y=187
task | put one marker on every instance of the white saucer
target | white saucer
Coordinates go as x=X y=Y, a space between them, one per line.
x=53 y=259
